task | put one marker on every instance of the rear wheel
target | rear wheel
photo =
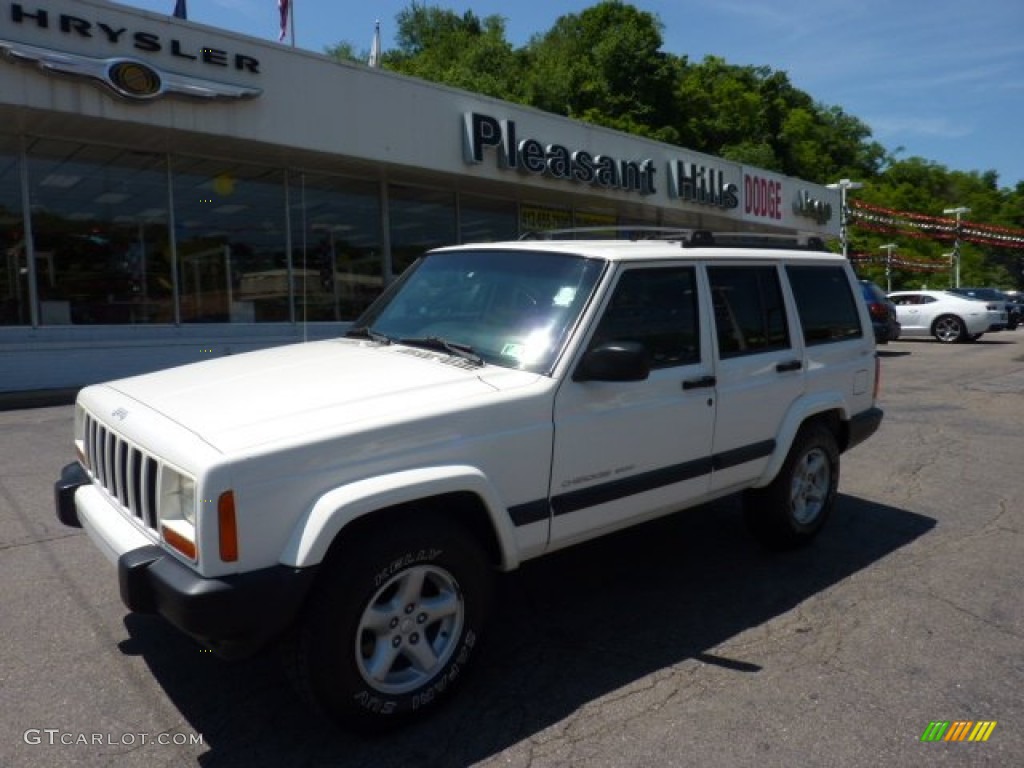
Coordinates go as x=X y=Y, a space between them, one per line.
x=792 y=510
x=391 y=627
x=949 y=329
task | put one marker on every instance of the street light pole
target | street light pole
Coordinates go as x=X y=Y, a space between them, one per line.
x=951 y=257
x=843 y=185
x=956 y=242
x=889 y=248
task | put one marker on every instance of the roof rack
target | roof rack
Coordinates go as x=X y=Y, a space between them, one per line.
x=703 y=238
x=610 y=232
x=687 y=238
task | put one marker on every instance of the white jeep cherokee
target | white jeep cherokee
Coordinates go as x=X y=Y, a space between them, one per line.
x=355 y=497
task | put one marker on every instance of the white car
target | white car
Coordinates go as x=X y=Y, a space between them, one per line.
x=353 y=497
x=946 y=316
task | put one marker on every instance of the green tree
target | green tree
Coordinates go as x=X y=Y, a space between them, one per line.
x=462 y=51
x=345 y=51
x=754 y=115
x=605 y=66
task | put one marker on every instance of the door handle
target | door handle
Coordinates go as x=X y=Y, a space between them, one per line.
x=703 y=381
x=792 y=365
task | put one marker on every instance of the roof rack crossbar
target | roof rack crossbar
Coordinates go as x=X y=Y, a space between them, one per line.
x=612 y=231
x=687 y=238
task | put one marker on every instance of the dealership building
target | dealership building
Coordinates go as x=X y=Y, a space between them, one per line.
x=171 y=191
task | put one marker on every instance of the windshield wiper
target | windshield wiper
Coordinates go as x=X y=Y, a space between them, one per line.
x=366 y=332
x=464 y=351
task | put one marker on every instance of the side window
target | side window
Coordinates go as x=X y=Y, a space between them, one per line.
x=657 y=308
x=750 y=316
x=825 y=303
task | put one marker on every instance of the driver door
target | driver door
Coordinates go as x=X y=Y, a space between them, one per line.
x=625 y=451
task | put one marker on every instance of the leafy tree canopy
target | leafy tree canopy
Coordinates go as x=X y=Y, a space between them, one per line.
x=605 y=65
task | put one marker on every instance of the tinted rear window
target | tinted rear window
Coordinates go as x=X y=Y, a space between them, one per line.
x=827 y=308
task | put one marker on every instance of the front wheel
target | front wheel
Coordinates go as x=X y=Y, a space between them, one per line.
x=949 y=329
x=793 y=508
x=393 y=623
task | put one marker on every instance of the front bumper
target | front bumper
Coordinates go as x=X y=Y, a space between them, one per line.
x=233 y=615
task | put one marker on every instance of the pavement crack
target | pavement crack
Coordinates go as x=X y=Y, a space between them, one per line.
x=47 y=539
x=986 y=621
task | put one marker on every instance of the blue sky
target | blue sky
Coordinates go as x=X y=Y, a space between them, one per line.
x=942 y=80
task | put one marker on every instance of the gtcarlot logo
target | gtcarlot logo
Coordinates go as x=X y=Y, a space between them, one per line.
x=958 y=730
x=57 y=737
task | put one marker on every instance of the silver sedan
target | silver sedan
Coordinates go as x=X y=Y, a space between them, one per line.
x=946 y=316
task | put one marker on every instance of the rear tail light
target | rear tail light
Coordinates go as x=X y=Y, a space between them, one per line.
x=878 y=311
x=878 y=376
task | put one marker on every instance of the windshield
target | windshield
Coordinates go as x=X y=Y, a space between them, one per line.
x=509 y=308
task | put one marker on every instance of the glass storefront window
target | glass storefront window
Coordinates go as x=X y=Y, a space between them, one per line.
x=540 y=218
x=99 y=229
x=14 y=291
x=419 y=219
x=230 y=237
x=336 y=248
x=485 y=219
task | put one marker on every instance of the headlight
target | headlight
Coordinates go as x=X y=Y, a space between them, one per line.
x=177 y=509
x=177 y=496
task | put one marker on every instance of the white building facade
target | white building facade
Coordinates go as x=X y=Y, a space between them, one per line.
x=170 y=191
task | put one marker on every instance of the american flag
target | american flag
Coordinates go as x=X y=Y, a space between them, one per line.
x=285 y=7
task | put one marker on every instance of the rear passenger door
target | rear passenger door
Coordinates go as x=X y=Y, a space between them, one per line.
x=760 y=368
x=633 y=449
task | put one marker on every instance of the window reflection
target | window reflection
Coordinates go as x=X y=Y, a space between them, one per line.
x=230 y=233
x=14 y=301
x=511 y=308
x=336 y=246
x=105 y=253
x=487 y=220
x=99 y=227
x=420 y=219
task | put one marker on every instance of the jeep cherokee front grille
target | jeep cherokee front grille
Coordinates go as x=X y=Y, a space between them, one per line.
x=128 y=474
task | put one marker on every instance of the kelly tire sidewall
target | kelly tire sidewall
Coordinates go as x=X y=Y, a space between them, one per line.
x=323 y=655
x=768 y=511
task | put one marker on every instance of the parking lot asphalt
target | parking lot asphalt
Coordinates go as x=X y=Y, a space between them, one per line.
x=677 y=643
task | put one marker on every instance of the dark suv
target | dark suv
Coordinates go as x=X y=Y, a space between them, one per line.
x=882 y=311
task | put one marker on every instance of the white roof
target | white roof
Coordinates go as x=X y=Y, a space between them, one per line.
x=644 y=250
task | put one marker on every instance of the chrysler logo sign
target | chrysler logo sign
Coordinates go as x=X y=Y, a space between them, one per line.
x=128 y=78
x=133 y=79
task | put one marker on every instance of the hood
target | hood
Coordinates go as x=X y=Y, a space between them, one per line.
x=296 y=392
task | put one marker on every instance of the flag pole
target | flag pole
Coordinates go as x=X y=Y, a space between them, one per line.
x=374 y=60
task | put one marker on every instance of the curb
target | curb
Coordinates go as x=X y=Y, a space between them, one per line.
x=37 y=398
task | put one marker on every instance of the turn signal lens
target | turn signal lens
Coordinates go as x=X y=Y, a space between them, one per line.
x=177 y=540
x=228 y=528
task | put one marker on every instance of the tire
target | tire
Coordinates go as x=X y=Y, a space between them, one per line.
x=949 y=329
x=793 y=508
x=393 y=623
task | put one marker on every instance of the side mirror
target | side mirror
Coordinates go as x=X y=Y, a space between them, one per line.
x=614 y=361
